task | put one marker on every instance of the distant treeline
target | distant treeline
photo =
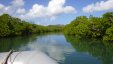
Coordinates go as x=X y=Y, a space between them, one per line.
x=11 y=26
x=92 y=27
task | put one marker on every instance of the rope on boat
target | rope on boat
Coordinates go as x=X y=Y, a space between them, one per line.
x=9 y=57
x=14 y=58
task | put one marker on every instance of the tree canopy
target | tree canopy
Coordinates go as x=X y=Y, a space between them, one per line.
x=12 y=26
x=93 y=27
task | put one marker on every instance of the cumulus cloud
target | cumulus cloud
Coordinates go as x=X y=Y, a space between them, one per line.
x=1 y=6
x=17 y=3
x=13 y=8
x=51 y=11
x=54 y=8
x=99 y=6
x=20 y=11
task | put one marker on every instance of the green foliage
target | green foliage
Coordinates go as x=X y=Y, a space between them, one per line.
x=93 y=27
x=11 y=26
x=79 y=26
x=109 y=34
x=96 y=27
x=4 y=30
x=55 y=28
x=81 y=30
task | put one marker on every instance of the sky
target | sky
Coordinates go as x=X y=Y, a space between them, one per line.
x=51 y=12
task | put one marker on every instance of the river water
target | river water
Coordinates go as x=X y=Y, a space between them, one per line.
x=61 y=48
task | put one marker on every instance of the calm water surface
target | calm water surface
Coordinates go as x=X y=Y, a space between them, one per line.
x=63 y=49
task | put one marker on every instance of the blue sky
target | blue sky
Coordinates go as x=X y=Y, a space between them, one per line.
x=47 y=12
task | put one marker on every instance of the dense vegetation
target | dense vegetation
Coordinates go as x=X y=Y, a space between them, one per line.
x=11 y=26
x=92 y=27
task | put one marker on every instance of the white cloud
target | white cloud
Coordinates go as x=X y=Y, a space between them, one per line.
x=54 y=8
x=1 y=6
x=17 y=3
x=99 y=6
x=50 y=12
x=69 y=9
x=20 y=11
x=11 y=9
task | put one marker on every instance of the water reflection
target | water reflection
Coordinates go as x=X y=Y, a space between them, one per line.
x=97 y=48
x=53 y=45
x=63 y=49
x=7 y=44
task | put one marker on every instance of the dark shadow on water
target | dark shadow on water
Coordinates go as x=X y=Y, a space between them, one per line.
x=97 y=48
x=13 y=43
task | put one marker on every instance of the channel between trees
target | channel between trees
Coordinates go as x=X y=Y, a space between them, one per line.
x=82 y=26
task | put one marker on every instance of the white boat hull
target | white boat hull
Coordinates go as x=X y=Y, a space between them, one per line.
x=27 y=57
